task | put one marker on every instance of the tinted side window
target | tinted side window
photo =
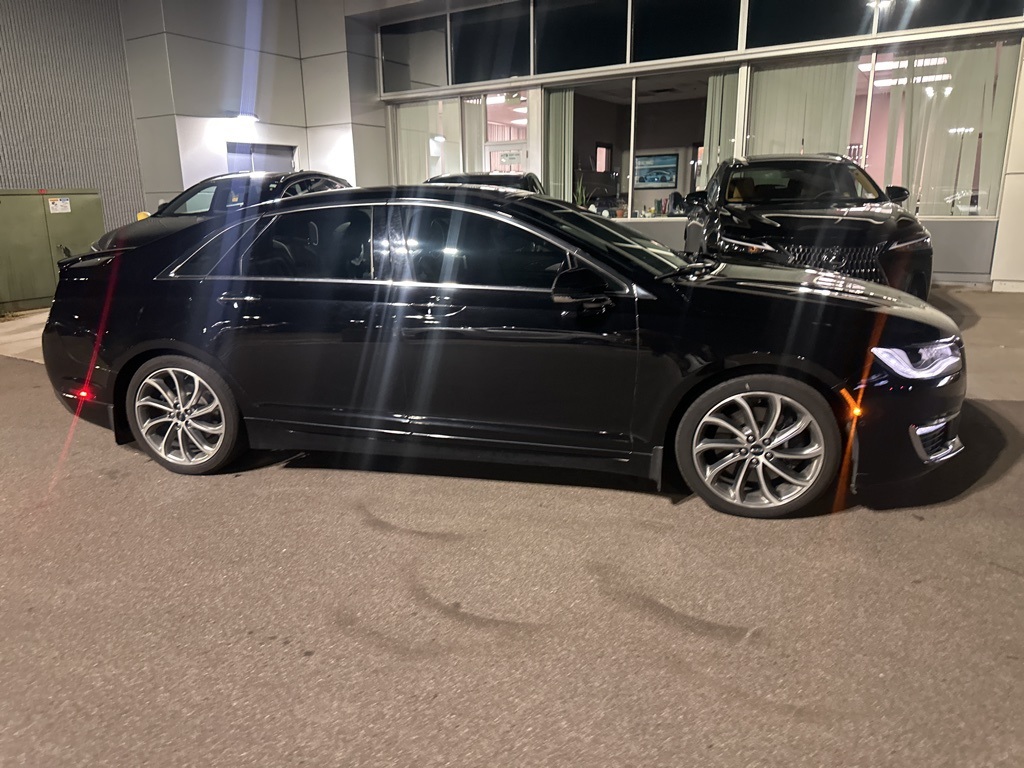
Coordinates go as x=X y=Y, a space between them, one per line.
x=449 y=246
x=205 y=260
x=328 y=243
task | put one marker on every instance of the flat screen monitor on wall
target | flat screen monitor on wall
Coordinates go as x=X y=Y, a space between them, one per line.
x=656 y=171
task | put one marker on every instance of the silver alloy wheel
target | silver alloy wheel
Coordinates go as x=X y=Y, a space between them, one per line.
x=179 y=416
x=759 y=449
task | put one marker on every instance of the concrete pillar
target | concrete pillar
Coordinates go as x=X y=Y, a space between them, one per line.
x=345 y=119
x=1008 y=258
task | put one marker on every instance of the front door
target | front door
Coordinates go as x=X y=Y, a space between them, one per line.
x=488 y=357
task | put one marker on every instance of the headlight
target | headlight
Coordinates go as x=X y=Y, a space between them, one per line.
x=732 y=245
x=923 y=361
x=913 y=245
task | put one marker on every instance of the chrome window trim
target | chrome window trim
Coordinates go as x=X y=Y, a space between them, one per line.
x=621 y=286
x=171 y=274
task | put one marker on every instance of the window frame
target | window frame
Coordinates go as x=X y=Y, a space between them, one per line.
x=618 y=285
x=262 y=223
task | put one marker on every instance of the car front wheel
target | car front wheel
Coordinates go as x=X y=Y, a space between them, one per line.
x=759 y=446
x=184 y=415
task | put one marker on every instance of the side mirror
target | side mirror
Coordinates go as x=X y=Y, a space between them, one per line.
x=897 y=194
x=580 y=286
x=698 y=199
x=142 y=215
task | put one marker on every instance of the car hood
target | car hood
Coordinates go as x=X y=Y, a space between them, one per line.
x=146 y=231
x=812 y=285
x=825 y=226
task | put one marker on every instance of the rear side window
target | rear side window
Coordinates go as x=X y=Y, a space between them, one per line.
x=327 y=243
x=444 y=245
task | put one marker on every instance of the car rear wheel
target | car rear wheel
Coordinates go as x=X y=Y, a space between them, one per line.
x=759 y=446
x=184 y=415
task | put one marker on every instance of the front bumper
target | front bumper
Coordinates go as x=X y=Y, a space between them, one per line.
x=907 y=428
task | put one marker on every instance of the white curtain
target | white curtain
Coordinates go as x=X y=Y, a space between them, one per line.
x=429 y=140
x=949 y=116
x=558 y=141
x=474 y=121
x=805 y=109
x=719 y=124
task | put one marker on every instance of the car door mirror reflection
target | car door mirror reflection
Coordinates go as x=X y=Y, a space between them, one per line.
x=897 y=194
x=697 y=199
x=580 y=286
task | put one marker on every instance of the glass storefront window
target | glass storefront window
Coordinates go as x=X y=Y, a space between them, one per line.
x=502 y=133
x=939 y=125
x=803 y=109
x=673 y=117
x=580 y=34
x=664 y=29
x=429 y=140
x=491 y=43
x=777 y=22
x=415 y=54
x=912 y=14
x=600 y=120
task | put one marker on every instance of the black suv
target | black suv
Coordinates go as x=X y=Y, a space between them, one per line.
x=496 y=324
x=818 y=211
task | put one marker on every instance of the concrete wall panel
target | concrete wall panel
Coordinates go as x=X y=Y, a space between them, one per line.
x=267 y=25
x=149 y=76
x=158 y=153
x=321 y=27
x=141 y=17
x=325 y=81
x=331 y=151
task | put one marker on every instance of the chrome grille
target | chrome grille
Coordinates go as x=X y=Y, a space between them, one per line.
x=932 y=442
x=861 y=263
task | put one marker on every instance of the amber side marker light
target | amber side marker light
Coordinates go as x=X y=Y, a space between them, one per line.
x=855 y=409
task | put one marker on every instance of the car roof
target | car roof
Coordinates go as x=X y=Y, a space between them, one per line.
x=823 y=157
x=477 y=195
x=267 y=177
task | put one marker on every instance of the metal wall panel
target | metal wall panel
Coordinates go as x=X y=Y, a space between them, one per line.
x=65 y=115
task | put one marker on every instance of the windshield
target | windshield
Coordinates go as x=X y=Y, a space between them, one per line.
x=798 y=181
x=218 y=196
x=604 y=237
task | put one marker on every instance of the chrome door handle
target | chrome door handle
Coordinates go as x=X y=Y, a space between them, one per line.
x=234 y=298
x=437 y=310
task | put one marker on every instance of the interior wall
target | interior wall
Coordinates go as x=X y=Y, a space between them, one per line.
x=597 y=121
x=65 y=116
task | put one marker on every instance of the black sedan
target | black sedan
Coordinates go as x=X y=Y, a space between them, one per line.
x=820 y=211
x=499 y=325
x=216 y=196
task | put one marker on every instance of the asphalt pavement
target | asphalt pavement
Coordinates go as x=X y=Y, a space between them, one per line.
x=305 y=610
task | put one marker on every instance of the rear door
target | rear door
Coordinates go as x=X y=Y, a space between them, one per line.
x=298 y=318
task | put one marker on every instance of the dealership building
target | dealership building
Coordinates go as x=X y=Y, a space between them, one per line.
x=622 y=101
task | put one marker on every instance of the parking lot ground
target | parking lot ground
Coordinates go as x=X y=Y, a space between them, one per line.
x=324 y=610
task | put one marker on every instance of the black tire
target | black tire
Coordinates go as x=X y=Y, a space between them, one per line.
x=202 y=430
x=711 y=454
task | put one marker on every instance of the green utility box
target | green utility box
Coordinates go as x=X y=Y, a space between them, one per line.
x=38 y=227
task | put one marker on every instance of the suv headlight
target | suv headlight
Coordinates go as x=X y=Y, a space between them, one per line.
x=742 y=247
x=921 y=361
